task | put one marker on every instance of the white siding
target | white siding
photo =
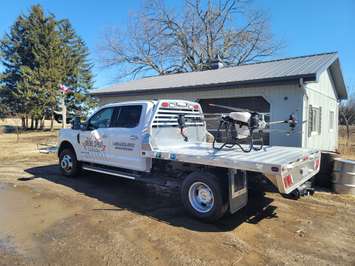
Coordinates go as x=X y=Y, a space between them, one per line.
x=322 y=94
x=283 y=99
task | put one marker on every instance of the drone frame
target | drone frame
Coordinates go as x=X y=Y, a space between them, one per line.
x=229 y=124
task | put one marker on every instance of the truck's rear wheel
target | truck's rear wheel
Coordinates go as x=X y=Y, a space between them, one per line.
x=68 y=163
x=203 y=196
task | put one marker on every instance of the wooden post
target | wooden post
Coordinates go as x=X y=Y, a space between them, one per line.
x=42 y=122
x=32 y=122
x=23 y=119
x=52 y=121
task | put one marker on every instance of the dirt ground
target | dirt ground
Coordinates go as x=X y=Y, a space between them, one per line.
x=47 y=219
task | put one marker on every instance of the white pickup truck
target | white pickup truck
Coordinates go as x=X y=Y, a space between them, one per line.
x=142 y=141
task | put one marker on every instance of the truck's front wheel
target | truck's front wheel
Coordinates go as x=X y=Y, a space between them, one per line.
x=203 y=196
x=68 y=163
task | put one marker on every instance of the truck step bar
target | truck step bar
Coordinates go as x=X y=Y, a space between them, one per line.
x=146 y=177
x=110 y=172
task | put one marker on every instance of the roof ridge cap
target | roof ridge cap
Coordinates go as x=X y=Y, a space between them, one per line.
x=289 y=58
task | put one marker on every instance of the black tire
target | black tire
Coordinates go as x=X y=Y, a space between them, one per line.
x=219 y=205
x=74 y=169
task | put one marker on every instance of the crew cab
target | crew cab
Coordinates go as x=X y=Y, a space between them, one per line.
x=144 y=140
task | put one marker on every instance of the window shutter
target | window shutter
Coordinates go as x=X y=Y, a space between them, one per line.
x=310 y=119
x=331 y=119
x=320 y=120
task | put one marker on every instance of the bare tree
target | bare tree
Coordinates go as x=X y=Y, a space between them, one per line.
x=347 y=115
x=161 y=40
x=347 y=111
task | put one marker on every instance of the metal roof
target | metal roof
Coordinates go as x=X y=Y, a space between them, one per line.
x=307 y=67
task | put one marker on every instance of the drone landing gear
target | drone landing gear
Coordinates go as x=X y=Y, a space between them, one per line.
x=254 y=141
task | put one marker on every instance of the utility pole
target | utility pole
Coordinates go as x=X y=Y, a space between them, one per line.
x=64 y=111
x=64 y=89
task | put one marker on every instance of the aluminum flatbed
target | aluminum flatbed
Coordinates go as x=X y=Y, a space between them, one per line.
x=275 y=162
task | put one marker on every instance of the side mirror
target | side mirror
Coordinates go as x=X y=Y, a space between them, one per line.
x=84 y=126
x=76 y=125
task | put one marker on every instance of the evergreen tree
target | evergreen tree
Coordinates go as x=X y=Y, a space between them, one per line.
x=78 y=75
x=3 y=106
x=17 y=59
x=39 y=54
x=48 y=71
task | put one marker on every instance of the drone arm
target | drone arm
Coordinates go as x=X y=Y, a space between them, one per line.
x=292 y=122
x=278 y=122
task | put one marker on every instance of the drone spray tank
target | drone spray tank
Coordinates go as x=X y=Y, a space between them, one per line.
x=241 y=120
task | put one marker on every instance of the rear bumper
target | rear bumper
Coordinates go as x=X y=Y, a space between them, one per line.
x=295 y=174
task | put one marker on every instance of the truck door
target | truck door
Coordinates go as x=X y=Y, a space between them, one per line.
x=125 y=137
x=94 y=140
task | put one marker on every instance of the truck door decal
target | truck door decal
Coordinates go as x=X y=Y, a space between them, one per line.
x=94 y=143
x=125 y=146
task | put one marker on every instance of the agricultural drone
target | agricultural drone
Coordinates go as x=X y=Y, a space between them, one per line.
x=245 y=128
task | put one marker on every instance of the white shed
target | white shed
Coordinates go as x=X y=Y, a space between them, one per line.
x=309 y=86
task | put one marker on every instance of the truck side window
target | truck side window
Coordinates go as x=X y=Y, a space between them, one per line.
x=102 y=119
x=127 y=116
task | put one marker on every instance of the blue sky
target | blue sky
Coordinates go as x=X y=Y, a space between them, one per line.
x=305 y=26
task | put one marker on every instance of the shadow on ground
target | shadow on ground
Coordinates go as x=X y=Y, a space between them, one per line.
x=159 y=203
x=8 y=129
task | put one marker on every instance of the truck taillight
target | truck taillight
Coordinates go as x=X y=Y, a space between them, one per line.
x=316 y=164
x=288 y=181
x=196 y=107
x=165 y=104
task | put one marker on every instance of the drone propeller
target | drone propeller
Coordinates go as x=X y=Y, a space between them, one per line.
x=231 y=108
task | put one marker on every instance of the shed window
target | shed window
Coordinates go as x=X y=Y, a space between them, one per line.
x=331 y=120
x=314 y=120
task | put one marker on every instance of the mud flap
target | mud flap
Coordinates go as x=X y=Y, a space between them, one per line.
x=238 y=191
